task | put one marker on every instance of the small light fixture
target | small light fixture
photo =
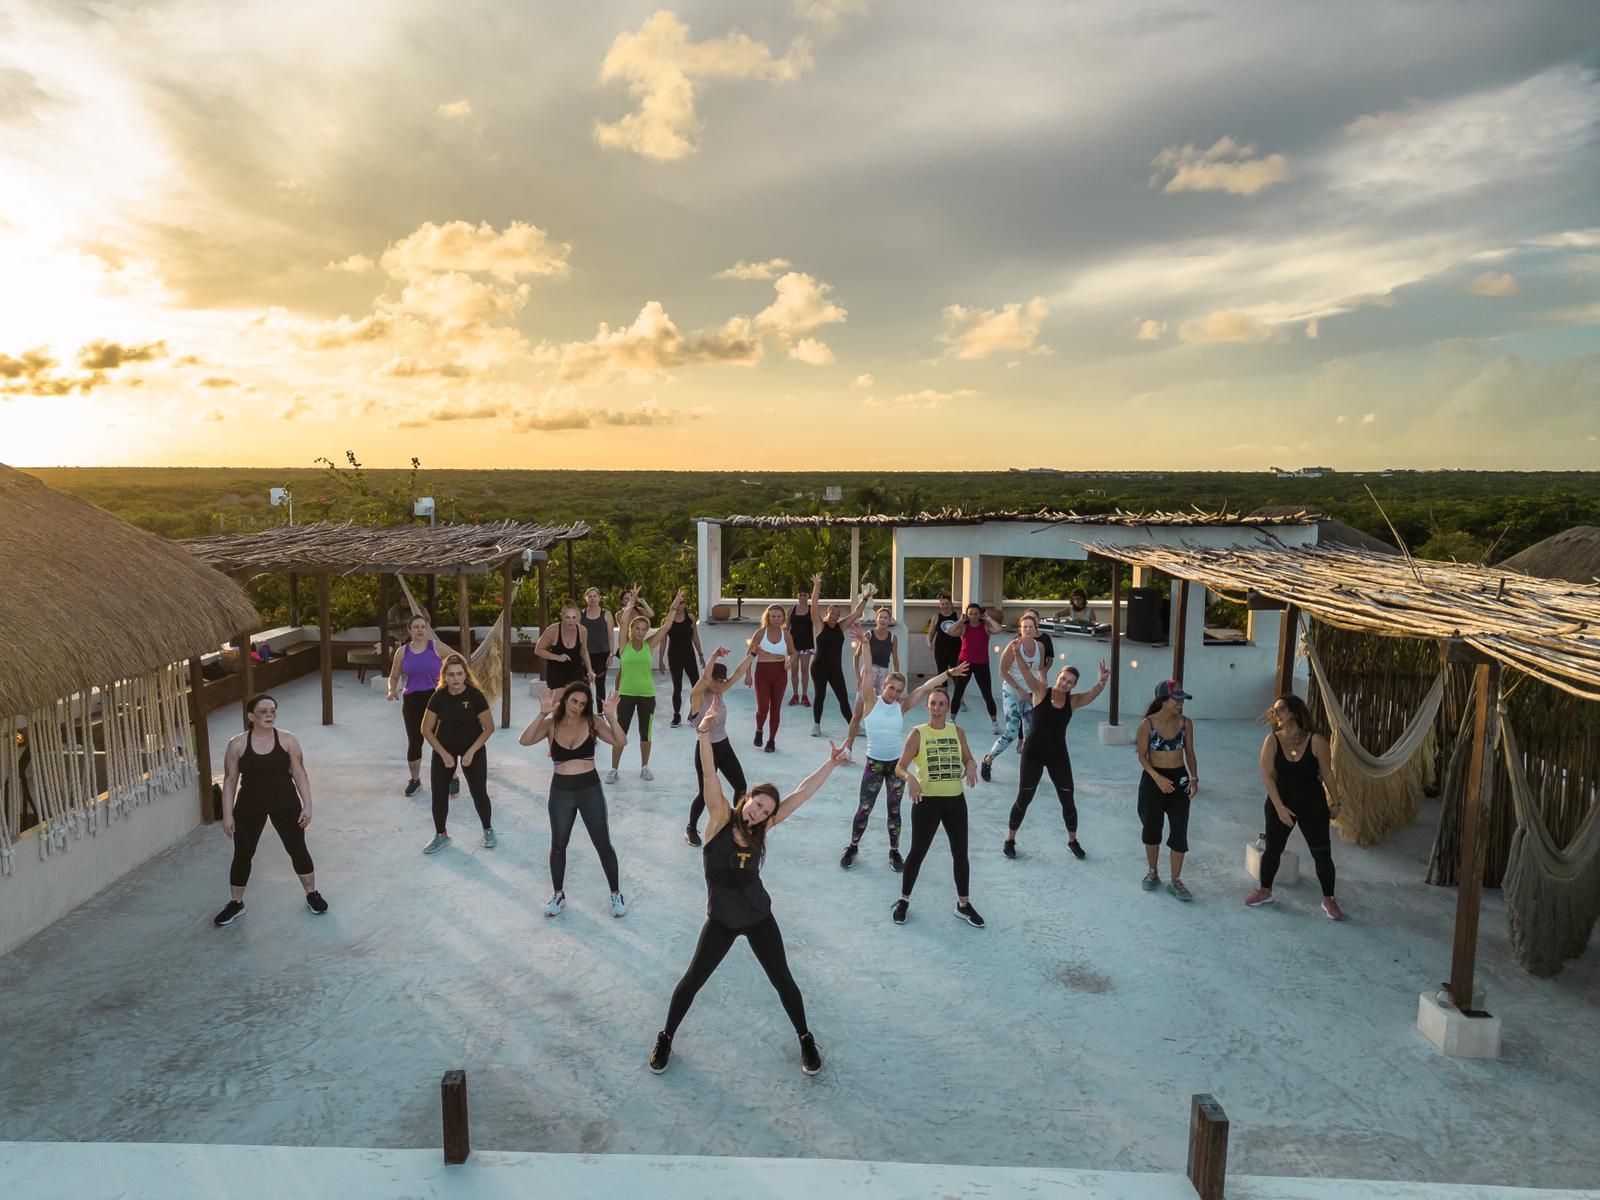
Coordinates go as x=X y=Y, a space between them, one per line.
x=1133 y=664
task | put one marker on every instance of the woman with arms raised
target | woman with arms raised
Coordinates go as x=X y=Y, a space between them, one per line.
x=828 y=668
x=1046 y=748
x=707 y=698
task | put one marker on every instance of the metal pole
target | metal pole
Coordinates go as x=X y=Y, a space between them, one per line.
x=1116 y=639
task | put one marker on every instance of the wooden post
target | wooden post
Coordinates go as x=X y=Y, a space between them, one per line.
x=247 y=671
x=1180 y=615
x=453 y=1100
x=433 y=599
x=1288 y=635
x=202 y=739
x=385 y=644
x=1208 y=1147
x=508 y=598
x=294 y=598
x=1116 y=639
x=544 y=594
x=1480 y=793
x=572 y=581
x=325 y=629
x=464 y=616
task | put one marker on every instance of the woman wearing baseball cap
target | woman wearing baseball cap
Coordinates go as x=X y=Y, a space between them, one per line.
x=1171 y=779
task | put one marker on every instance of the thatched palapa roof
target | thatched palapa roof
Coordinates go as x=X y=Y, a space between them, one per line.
x=88 y=599
x=1573 y=555
x=1330 y=532
x=956 y=516
x=347 y=548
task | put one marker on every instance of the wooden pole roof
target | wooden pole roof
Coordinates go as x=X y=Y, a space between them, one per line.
x=957 y=516
x=348 y=548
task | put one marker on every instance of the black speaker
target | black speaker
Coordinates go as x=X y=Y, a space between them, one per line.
x=1147 y=615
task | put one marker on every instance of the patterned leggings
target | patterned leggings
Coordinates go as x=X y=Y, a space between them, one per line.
x=877 y=773
x=1019 y=720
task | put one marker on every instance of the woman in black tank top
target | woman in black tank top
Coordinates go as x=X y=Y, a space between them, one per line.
x=737 y=904
x=265 y=780
x=1295 y=763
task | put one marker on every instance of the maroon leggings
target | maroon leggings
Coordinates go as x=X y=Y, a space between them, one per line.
x=771 y=679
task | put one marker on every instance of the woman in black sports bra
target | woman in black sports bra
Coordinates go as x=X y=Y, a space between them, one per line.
x=737 y=905
x=1170 y=780
x=567 y=719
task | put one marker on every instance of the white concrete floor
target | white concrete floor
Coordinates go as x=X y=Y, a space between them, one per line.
x=1070 y=1033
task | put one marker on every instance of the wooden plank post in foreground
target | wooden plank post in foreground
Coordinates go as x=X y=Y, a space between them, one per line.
x=1116 y=639
x=508 y=597
x=572 y=580
x=385 y=643
x=247 y=672
x=1180 y=617
x=464 y=617
x=1288 y=636
x=294 y=598
x=453 y=1098
x=325 y=636
x=544 y=594
x=202 y=739
x=1208 y=1147
x=1480 y=792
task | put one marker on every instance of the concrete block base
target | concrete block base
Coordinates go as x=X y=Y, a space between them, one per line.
x=378 y=683
x=1116 y=735
x=1288 y=865
x=1453 y=1032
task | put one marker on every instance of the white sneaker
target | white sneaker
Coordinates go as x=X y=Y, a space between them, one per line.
x=645 y=773
x=557 y=903
x=611 y=775
x=816 y=731
x=619 y=906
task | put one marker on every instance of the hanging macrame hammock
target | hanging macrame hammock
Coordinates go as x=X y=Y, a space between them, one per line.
x=487 y=660
x=1378 y=793
x=1552 y=894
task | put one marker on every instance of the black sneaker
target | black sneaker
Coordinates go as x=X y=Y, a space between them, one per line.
x=771 y=747
x=896 y=863
x=316 y=903
x=810 y=1060
x=1077 y=850
x=970 y=915
x=849 y=858
x=758 y=737
x=1010 y=848
x=984 y=772
x=677 y=720
x=691 y=835
x=898 y=912
x=413 y=786
x=231 y=912
x=662 y=1052
x=455 y=787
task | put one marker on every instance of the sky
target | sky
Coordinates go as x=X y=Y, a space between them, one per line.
x=800 y=234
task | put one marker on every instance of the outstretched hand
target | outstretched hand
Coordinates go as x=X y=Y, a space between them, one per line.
x=1105 y=671
x=719 y=652
x=838 y=755
x=707 y=721
x=547 y=702
x=610 y=706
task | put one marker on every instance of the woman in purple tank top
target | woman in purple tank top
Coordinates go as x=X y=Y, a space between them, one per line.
x=413 y=676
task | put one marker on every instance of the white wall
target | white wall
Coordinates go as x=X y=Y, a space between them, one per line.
x=37 y=892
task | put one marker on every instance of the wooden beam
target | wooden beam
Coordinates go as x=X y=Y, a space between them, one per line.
x=1480 y=793
x=433 y=599
x=855 y=561
x=247 y=671
x=1208 y=1147
x=325 y=630
x=202 y=738
x=544 y=597
x=1256 y=602
x=572 y=581
x=1180 y=618
x=1288 y=635
x=1116 y=638
x=294 y=598
x=453 y=1101
x=385 y=643
x=1458 y=651
x=508 y=598
x=464 y=616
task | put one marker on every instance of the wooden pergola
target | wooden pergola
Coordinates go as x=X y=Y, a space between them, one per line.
x=324 y=550
x=1546 y=629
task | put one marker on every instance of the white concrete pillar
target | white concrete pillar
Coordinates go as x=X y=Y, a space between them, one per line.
x=855 y=560
x=897 y=597
x=708 y=537
x=989 y=587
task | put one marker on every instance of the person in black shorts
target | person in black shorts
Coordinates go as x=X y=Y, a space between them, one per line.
x=457 y=725
x=737 y=905
x=265 y=780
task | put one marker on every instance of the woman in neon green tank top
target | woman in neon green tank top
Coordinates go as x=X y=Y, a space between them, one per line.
x=943 y=765
x=636 y=684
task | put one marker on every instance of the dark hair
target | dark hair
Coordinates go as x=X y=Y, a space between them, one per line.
x=944 y=596
x=1298 y=709
x=1078 y=594
x=974 y=604
x=1076 y=674
x=755 y=836
x=1155 y=705
x=582 y=688
x=719 y=671
x=250 y=705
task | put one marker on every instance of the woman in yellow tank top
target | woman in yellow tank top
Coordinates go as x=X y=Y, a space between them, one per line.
x=944 y=767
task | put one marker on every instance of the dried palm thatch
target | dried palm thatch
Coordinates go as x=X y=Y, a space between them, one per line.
x=957 y=516
x=89 y=598
x=1573 y=555
x=348 y=548
x=1329 y=531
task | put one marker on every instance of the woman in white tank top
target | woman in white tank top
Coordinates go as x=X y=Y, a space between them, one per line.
x=1015 y=695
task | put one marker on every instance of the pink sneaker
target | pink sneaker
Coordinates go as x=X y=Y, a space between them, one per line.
x=793 y=700
x=1259 y=897
x=1331 y=909
x=806 y=701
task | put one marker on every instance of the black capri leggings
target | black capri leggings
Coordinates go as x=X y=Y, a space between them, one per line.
x=477 y=776
x=1033 y=769
x=927 y=815
x=725 y=761
x=716 y=939
x=681 y=665
x=248 y=823
x=1173 y=807
x=597 y=664
x=645 y=706
x=823 y=676
x=412 y=706
x=571 y=797
x=977 y=673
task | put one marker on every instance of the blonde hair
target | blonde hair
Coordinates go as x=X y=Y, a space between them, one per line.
x=453 y=659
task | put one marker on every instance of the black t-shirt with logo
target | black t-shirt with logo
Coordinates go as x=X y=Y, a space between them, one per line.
x=458 y=717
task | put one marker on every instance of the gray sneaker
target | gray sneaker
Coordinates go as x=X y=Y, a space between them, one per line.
x=1177 y=889
x=489 y=839
x=1151 y=881
x=611 y=775
x=646 y=774
x=440 y=841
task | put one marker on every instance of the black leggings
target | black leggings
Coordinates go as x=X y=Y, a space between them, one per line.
x=597 y=664
x=725 y=761
x=1033 y=769
x=1311 y=815
x=645 y=706
x=477 y=777
x=681 y=666
x=412 y=706
x=946 y=654
x=1156 y=806
x=927 y=815
x=823 y=676
x=715 y=941
x=976 y=673
x=571 y=797
x=248 y=822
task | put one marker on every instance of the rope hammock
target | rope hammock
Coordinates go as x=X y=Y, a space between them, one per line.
x=487 y=659
x=148 y=749
x=1552 y=894
x=1379 y=793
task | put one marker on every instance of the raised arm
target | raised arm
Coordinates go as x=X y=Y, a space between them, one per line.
x=939 y=680
x=809 y=785
x=859 y=607
x=1099 y=686
x=717 y=810
x=894 y=651
x=991 y=624
x=1036 y=685
x=816 y=594
x=605 y=726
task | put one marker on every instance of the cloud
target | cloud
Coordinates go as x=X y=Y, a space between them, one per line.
x=927 y=398
x=812 y=352
x=455 y=110
x=1370 y=419
x=1495 y=283
x=1226 y=167
x=1313 y=329
x=663 y=70
x=410 y=368
x=108 y=356
x=356 y=264
x=212 y=414
x=1227 y=325
x=34 y=373
x=973 y=333
x=801 y=307
x=560 y=409
x=218 y=382
x=517 y=252
x=651 y=346
x=754 y=270
x=862 y=381
x=455 y=299
x=342 y=332
x=828 y=15
x=20 y=95
x=294 y=408
x=1151 y=331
